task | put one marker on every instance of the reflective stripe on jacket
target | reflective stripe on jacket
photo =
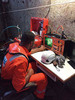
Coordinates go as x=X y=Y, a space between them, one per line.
x=14 y=67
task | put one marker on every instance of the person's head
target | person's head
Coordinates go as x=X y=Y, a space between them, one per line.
x=27 y=40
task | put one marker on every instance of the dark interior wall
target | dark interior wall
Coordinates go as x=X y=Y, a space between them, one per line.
x=19 y=12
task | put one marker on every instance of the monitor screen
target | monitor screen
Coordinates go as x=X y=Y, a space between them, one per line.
x=71 y=54
x=48 y=41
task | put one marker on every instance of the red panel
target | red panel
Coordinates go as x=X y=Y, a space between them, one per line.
x=57 y=45
x=36 y=23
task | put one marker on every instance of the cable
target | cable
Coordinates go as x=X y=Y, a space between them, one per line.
x=47 y=13
x=37 y=7
x=60 y=27
x=19 y=33
x=11 y=40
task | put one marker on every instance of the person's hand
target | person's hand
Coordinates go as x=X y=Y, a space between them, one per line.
x=30 y=71
x=38 y=49
x=42 y=48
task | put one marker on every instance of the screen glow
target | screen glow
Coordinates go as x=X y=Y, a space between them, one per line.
x=48 y=41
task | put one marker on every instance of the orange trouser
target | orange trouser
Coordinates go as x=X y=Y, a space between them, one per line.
x=41 y=81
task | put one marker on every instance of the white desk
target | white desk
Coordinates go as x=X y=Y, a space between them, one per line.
x=63 y=75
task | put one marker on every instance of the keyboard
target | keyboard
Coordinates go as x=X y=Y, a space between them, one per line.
x=72 y=64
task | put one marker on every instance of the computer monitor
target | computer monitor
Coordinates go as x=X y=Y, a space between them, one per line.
x=71 y=53
x=48 y=42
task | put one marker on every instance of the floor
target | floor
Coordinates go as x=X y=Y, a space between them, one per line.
x=56 y=91
x=59 y=91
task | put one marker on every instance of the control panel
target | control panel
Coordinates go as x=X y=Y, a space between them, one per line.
x=59 y=46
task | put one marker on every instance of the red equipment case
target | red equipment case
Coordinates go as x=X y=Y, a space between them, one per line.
x=39 y=25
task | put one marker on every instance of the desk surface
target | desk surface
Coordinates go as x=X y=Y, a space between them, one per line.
x=64 y=74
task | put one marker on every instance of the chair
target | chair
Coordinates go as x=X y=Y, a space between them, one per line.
x=7 y=92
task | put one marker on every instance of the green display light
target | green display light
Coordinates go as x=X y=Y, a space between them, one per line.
x=48 y=41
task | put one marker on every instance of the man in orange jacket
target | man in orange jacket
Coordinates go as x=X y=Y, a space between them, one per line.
x=15 y=66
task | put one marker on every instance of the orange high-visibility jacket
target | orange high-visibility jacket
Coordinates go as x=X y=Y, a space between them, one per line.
x=14 y=66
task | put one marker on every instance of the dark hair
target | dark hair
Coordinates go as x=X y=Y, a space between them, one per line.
x=27 y=37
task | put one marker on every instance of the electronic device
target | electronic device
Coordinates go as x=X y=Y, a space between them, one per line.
x=38 y=41
x=71 y=54
x=58 y=45
x=39 y=27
